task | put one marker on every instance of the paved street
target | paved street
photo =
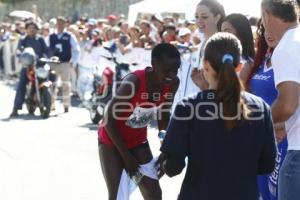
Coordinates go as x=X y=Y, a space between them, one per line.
x=57 y=158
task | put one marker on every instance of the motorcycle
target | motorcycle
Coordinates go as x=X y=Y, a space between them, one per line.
x=103 y=91
x=41 y=79
x=106 y=85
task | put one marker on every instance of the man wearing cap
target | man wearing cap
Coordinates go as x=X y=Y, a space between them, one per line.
x=91 y=25
x=101 y=23
x=112 y=20
x=83 y=20
x=31 y=39
x=184 y=35
x=170 y=33
x=65 y=46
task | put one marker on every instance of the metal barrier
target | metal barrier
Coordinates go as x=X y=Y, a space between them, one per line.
x=11 y=64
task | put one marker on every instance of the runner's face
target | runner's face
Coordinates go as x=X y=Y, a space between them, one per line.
x=167 y=69
x=270 y=29
x=206 y=21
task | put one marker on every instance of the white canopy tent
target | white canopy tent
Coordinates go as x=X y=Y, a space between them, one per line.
x=187 y=7
x=23 y=14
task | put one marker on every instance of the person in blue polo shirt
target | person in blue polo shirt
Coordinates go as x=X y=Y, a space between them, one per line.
x=65 y=46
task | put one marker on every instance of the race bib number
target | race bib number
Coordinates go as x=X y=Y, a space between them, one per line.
x=141 y=117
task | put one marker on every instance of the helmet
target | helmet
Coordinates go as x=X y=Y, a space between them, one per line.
x=28 y=57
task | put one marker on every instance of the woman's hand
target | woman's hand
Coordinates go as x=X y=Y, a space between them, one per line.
x=199 y=79
x=159 y=165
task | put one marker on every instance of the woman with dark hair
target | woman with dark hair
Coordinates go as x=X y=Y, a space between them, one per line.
x=239 y=25
x=227 y=134
x=260 y=82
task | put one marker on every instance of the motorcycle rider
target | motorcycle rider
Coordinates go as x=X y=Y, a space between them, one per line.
x=37 y=43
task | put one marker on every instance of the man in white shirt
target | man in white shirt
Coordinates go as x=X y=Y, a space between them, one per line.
x=282 y=31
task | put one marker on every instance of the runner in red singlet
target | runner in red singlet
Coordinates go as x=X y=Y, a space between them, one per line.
x=143 y=95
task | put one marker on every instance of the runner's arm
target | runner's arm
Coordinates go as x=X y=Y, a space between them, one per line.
x=123 y=95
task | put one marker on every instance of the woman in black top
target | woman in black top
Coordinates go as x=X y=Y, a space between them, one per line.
x=226 y=133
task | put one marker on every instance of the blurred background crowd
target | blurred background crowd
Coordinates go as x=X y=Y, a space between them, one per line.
x=132 y=42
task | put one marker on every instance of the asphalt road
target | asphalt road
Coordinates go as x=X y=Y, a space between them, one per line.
x=56 y=158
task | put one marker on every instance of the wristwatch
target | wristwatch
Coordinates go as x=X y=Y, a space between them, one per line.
x=162 y=134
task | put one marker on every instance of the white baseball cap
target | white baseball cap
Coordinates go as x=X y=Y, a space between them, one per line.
x=184 y=31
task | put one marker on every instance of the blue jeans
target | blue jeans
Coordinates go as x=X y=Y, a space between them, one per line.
x=21 y=89
x=289 y=177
